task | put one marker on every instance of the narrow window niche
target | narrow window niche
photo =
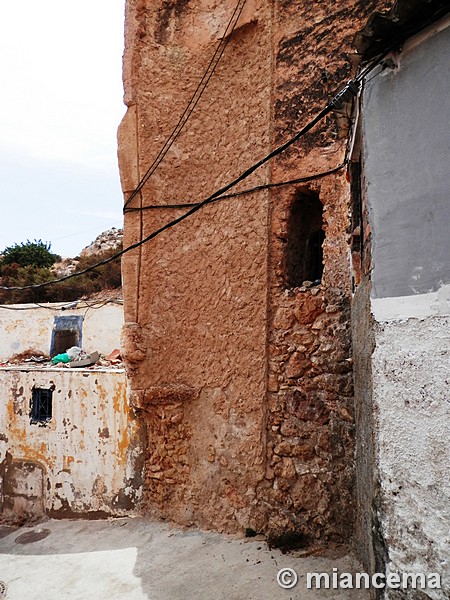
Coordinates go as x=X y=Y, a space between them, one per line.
x=67 y=332
x=41 y=405
x=304 y=244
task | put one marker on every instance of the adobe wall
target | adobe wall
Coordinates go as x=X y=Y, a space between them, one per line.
x=244 y=382
x=197 y=356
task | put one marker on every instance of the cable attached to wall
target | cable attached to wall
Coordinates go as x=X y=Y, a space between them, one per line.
x=348 y=92
x=212 y=66
x=76 y=304
x=257 y=188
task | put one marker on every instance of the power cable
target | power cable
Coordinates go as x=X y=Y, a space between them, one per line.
x=257 y=188
x=220 y=49
x=348 y=92
x=336 y=101
x=77 y=304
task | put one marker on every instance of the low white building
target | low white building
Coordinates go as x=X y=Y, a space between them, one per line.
x=69 y=444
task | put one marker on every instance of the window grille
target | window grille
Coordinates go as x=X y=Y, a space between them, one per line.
x=41 y=405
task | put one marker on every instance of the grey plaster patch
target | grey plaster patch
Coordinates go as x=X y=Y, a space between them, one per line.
x=406 y=171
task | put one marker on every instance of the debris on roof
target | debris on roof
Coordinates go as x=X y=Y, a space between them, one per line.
x=84 y=360
x=115 y=356
x=69 y=359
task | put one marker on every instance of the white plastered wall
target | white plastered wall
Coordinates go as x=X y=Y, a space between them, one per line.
x=23 y=328
x=411 y=376
x=87 y=452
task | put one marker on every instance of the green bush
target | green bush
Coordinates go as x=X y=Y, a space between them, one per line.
x=36 y=254
x=13 y=275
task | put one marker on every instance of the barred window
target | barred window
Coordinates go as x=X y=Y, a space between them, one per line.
x=41 y=405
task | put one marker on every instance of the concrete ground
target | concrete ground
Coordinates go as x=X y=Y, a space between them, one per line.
x=135 y=559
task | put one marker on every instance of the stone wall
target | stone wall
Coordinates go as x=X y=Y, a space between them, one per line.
x=309 y=479
x=244 y=380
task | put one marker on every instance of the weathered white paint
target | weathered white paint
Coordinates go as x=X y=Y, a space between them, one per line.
x=406 y=413
x=419 y=306
x=87 y=452
x=411 y=394
x=23 y=328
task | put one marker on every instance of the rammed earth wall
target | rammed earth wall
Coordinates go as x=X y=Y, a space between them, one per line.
x=243 y=379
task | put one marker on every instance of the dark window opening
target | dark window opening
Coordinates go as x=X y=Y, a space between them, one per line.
x=41 y=405
x=355 y=190
x=67 y=332
x=305 y=237
x=65 y=339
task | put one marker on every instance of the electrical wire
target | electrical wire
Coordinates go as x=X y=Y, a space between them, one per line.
x=257 y=188
x=358 y=79
x=212 y=66
x=76 y=304
x=384 y=64
x=97 y=305
x=192 y=210
x=36 y=305
x=349 y=91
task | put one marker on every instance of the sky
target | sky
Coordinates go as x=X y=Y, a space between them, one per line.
x=61 y=103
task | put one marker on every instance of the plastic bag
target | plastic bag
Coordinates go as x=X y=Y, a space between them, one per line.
x=61 y=358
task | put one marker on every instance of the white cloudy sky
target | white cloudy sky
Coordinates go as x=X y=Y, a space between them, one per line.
x=60 y=106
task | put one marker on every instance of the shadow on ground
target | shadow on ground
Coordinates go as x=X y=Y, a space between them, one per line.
x=135 y=559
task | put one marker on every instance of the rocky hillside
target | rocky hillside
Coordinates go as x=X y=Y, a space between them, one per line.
x=107 y=240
